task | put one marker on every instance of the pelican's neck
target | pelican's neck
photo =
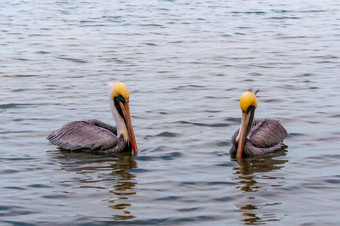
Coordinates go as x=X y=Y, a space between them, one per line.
x=120 y=123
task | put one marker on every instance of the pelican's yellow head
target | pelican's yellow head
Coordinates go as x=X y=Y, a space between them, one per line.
x=248 y=99
x=120 y=88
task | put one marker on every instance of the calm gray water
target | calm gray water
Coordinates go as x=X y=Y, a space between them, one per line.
x=186 y=63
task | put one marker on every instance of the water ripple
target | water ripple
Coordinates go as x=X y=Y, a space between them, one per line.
x=186 y=64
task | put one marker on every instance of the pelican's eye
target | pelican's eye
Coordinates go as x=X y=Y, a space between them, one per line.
x=251 y=107
x=120 y=98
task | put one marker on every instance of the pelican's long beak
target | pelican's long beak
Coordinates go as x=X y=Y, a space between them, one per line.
x=247 y=120
x=126 y=112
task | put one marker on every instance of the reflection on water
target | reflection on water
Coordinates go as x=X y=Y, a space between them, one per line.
x=252 y=181
x=104 y=172
x=186 y=64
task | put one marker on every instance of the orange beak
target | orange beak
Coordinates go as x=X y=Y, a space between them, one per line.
x=126 y=112
x=247 y=120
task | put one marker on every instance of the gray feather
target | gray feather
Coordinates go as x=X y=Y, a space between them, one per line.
x=266 y=133
x=265 y=136
x=92 y=135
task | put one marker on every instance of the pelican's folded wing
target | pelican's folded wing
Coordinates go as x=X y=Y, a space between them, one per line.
x=87 y=134
x=267 y=133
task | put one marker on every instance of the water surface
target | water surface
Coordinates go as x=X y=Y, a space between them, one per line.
x=186 y=64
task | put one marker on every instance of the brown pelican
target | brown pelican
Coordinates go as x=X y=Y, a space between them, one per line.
x=259 y=136
x=96 y=136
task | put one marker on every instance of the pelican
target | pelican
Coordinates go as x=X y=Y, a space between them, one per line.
x=256 y=136
x=96 y=136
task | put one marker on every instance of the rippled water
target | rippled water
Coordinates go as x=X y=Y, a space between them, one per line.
x=186 y=64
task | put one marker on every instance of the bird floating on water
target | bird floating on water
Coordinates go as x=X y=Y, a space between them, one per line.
x=256 y=136
x=96 y=136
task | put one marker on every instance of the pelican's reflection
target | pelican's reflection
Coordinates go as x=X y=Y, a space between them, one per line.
x=104 y=172
x=249 y=171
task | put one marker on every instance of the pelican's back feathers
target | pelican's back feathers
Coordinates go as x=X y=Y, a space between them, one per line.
x=87 y=134
x=266 y=133
x=265 y=136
